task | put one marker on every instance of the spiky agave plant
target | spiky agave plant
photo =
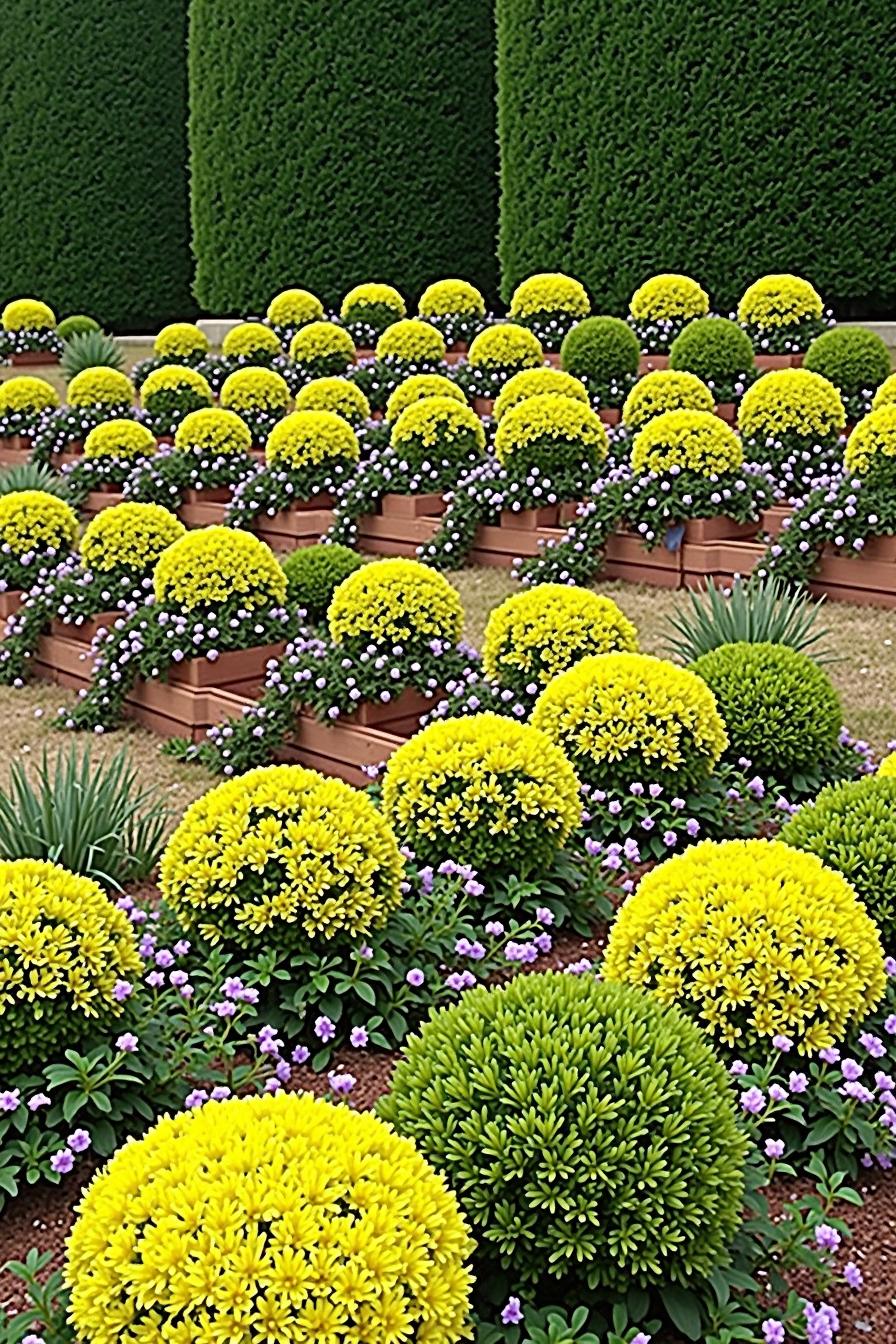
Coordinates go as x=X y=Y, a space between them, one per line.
x=90 y=350
x=756 y=612
x=32 y=476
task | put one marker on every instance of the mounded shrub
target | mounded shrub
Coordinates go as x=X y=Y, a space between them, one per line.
x=714 y=348
x=451 y=298
x=215 y=431
x=551 y=433
x=664 y=390
x=181 y=341
x=395 y=602
x=601 y=348
x=437 y=430
x=213 y=564
x=886 y=393
x=310 y=438
x=568 y=1165
x=175 y=389
x=854 y=359
x=293 y=308
x=322 y=349
x=128 y=536
x=120 y=438
x=536 y=383
x=28 y=315
x=76 y=325
x=754 y=940
x=106 y=388
x=24 y=398
x=255 y=391
x=252 y=342
x=372 y=307
x=483 y=790
x=305 y=1183
x=792 y=402
x=313 y=573
x=281 y=856
x=780 y=310
x=695 y=441
x=887 y=767
x=415 y=388
x=339 y=395
x=506 y=347
x=872 y=444
x=411 y=341
x=669 y=298
x=34 y=522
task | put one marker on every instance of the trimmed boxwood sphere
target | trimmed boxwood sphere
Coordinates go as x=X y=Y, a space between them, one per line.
x=601 y=348
x=779 y=707
x=852 y=358
x=852 y=827
x=587 y=1130
x=313 y=573
x=714 y=348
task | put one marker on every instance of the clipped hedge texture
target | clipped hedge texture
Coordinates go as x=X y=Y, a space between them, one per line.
x=335 y=144
x=94 y=212
x=722 y=140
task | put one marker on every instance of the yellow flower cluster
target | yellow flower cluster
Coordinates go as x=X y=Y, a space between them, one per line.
x=269 y=1218
x=63 y=945
x=661 y=391
x=451 y=298
x=250 y=340
x=321 y=340
x=627 y=717
x=100 y=387
x=307 y=438
x=549 y=293
x=27 y=315
x=689 y=441
x=669 y=298
x=393 y=601
x=535 y=635
x=27 y=396
x=294 y=308
x=550 y=421
x=215 y=564
x=33 y=521
x=175 y=378
x=779 y=301
x=215 y=431
x=873 y=439
x=120 y=438
x=411 y=341
x=284 y=854
x=485 y=790
x=537 y=383
x=372 y=296
x=431 y=423
x=255 y=389
x=791 y=401
x=180 y=340
x=129 y=536
x=885 y=394
x=754 y=938
x=418 y=386
x=887 y=767
x=506 y=346
x=338 y=395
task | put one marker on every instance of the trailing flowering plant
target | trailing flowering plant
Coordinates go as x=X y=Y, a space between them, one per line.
x=455 y=308
x=211 y=450
x=367 y=310
x=408 y=347
x=662 y=307
x=37 y=530
x=68 y=429
x=308 y=453
x=23 y=403
x=782 y=314
x=29 y=327
x=258 y=396
x=496 y=354
x=290 y=310
x=550 y=305
x=554 y=435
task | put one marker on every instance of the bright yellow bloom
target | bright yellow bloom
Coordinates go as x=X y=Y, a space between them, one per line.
x=547 y=422
x=254 y=389
x=32 y=520
x=885 y=394
x=27 y=396
x=294 y=308
x=28 y=315
x=129 y=535
x=661 y=391
x=506 y=346
x=534 y=635
x=371 y=296
x=100 y=387
x=873 y=439
x=411 y=341
x=669 y=298
x=887 y=767
x=180 y=340
x=250 y=340
x=535 y=383
x=216 y=564
x=418 y=386
x=215 y=431
x=120 y=438
x=779 y=301
x=392 y=601
x=689 y=441
x=176 y=378
x=451 y=298
x=550 y=293
x=339 y=395
x=791 y=401
x=321 y=340
x=307 y=438
x=431 y=424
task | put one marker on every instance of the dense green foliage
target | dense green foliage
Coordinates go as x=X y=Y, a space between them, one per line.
x=601 y=348
x=94 y=212
x=337 y=144
x=714 y=348
x=609 y=174
x=853 y=359
x=314 y=572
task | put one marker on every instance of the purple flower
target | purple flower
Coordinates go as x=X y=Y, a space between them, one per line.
x=341 y=1083
x=777 y=1092
x=358 y=1038
x=300 y=1054
x=853 y=1275
x=127 y=1043
x=38 y=1100
x=123 y=990
x=752 y=1101
x=827 y=1237
x=494 y=928
x=365 y=951
x=830 y=1054
x=544 y=915
x=79 y=1141
x=782 y=1043
x=773 y=1332
x=195 y=1098
x=774 y=1148
x=739 y=1068
x=9 y=1101
x=62 y=1162
x=512 y=1313
x=873 y=1044
x=797 y=1082
x=415 y=977
x=641 y=1338
x=324 y=1029
x=851 y=1070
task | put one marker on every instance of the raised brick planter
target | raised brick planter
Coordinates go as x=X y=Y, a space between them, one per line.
x=627 y=558
x=867 y=578
x=10 y=601
x=33 y=357
x=14 y=448
x=105 y=498
x=401 y=524
x=720 y=561
x=302 y=524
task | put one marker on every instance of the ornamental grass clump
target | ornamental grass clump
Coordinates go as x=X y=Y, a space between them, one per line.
x=602 y=352
x=37 y=530
x=211 y=450
x=307 y=454
x=536 y=383
x=549 y=304
x=588 y=1131
x=790 y=421
x=290 y=310
x=344 y=1232
x=754 y=940
x=782 y=314
x=319 y=350
x=855 y=360
x=368 y=310
x=23 y=403
x=65 y=946
x=717 y=351
x=313 y=573
x=662 y=307
x=29 y=327
x=661 y=391
x=260 y=398
x=851 y=826
x=171 y=392
x=455 y=308
x=282 y=857
x=492 y=793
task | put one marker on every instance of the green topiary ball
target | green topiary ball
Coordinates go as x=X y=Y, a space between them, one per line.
x=852 y=358
x=76 y=325
x=601 y=348
x=852 y=827
x=714 y=348
x=779 y=707
x=588 y=1131
x=313 y=573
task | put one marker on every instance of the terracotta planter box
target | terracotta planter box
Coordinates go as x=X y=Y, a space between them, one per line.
x=14 y=448
x=10 y=601
x=86 y=632
x=552 y=358
x=33 y=357
x=720 y=561
x=456 y=355
x=104 y=498
x=362 y=353
x=300 y=525
x=628 y=559
x=610 y=415
x=773 y=361
x=796 y=361
x=772 y=520
x=867 y=578
x=412 y=506
x=484 y=406
x=650 y=362
x=528 y=520
x=204 y=508
x=498 y=547
x=727 y=411
x=72 y=452
x=400 y=715
x=401 y=524
x=702 y=530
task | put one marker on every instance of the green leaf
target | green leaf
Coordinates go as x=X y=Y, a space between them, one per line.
x=683 y=1308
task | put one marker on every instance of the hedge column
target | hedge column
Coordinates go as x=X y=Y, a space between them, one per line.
x=336 y=143
x=94 y=207
x=721 y=139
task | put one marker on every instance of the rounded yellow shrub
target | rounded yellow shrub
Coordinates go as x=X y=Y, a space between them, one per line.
x=250 y=340
x=213 y=565
x=689 y=441
x=545 y=429
x=33 y=521
x=872 y=442
x=64 y=945
x=372 y=295
x=547 y=294
x=339 y=395
x=181 y=340
x=885 y=394
x=664 y=390
x=269 y=1218
x=624 y=718
x=27 y=396
x=538 y=383
x=418 y=386
x=308 y=438
x=435 y=430
x=251 y=390
x=215 y=431
x=779 y=301
x=791 y=402
x=755 y=940
x=506 y=347
x=451 y=298
x=484 y=790
x=282 y=855
x=100 y=387
x=323 y=341
x=27 y=315
x=393 y=601
x=175 y=385
x=129 y=536
x=669 y=298
x=887 y=767
x=126 y=439
x=533 y=636
x=411 y=341
x=294 y=308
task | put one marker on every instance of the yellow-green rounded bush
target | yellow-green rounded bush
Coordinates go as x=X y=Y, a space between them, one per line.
x=395 y=602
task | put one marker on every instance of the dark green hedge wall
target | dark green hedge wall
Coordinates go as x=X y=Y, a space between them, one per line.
x=333 y=143
x=723 y=139
x=94 y=195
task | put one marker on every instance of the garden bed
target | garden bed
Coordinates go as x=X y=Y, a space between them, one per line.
x=303 y=524
x=400 y=524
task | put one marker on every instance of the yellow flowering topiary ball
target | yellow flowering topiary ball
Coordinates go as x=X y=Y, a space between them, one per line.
x=27 y=397
x=269 y=1218
x=885 y=394
x=506 y=347
x=791 y=402
x=695 y=441
x=550 y=431
x=887 y=767
x=411 y=341
x=28 y=315
x=31 y=521
x=252 y=341
x=129 y=536
x=755 y=940
x=661 y=391
x=779 y=301
x=873 y=441
x=624 y=718
x=101 y=387
x=293 y=308
x=126 y=439
x=549 y=294
x=181 y=340
x=322 y=347
x=669 y=298
x=308 y=438
x=360 y=300
x=486 y=790
x=215 y=431
x=418 y=386
x=283 y=855
x=451 y=298
x=339 y=395
x=249 y=390
x=437 y=430
x=65 y=944
x=393 y=601
x=175 y=387
x=535 y=635
x=213 y=565
x=537 y=383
